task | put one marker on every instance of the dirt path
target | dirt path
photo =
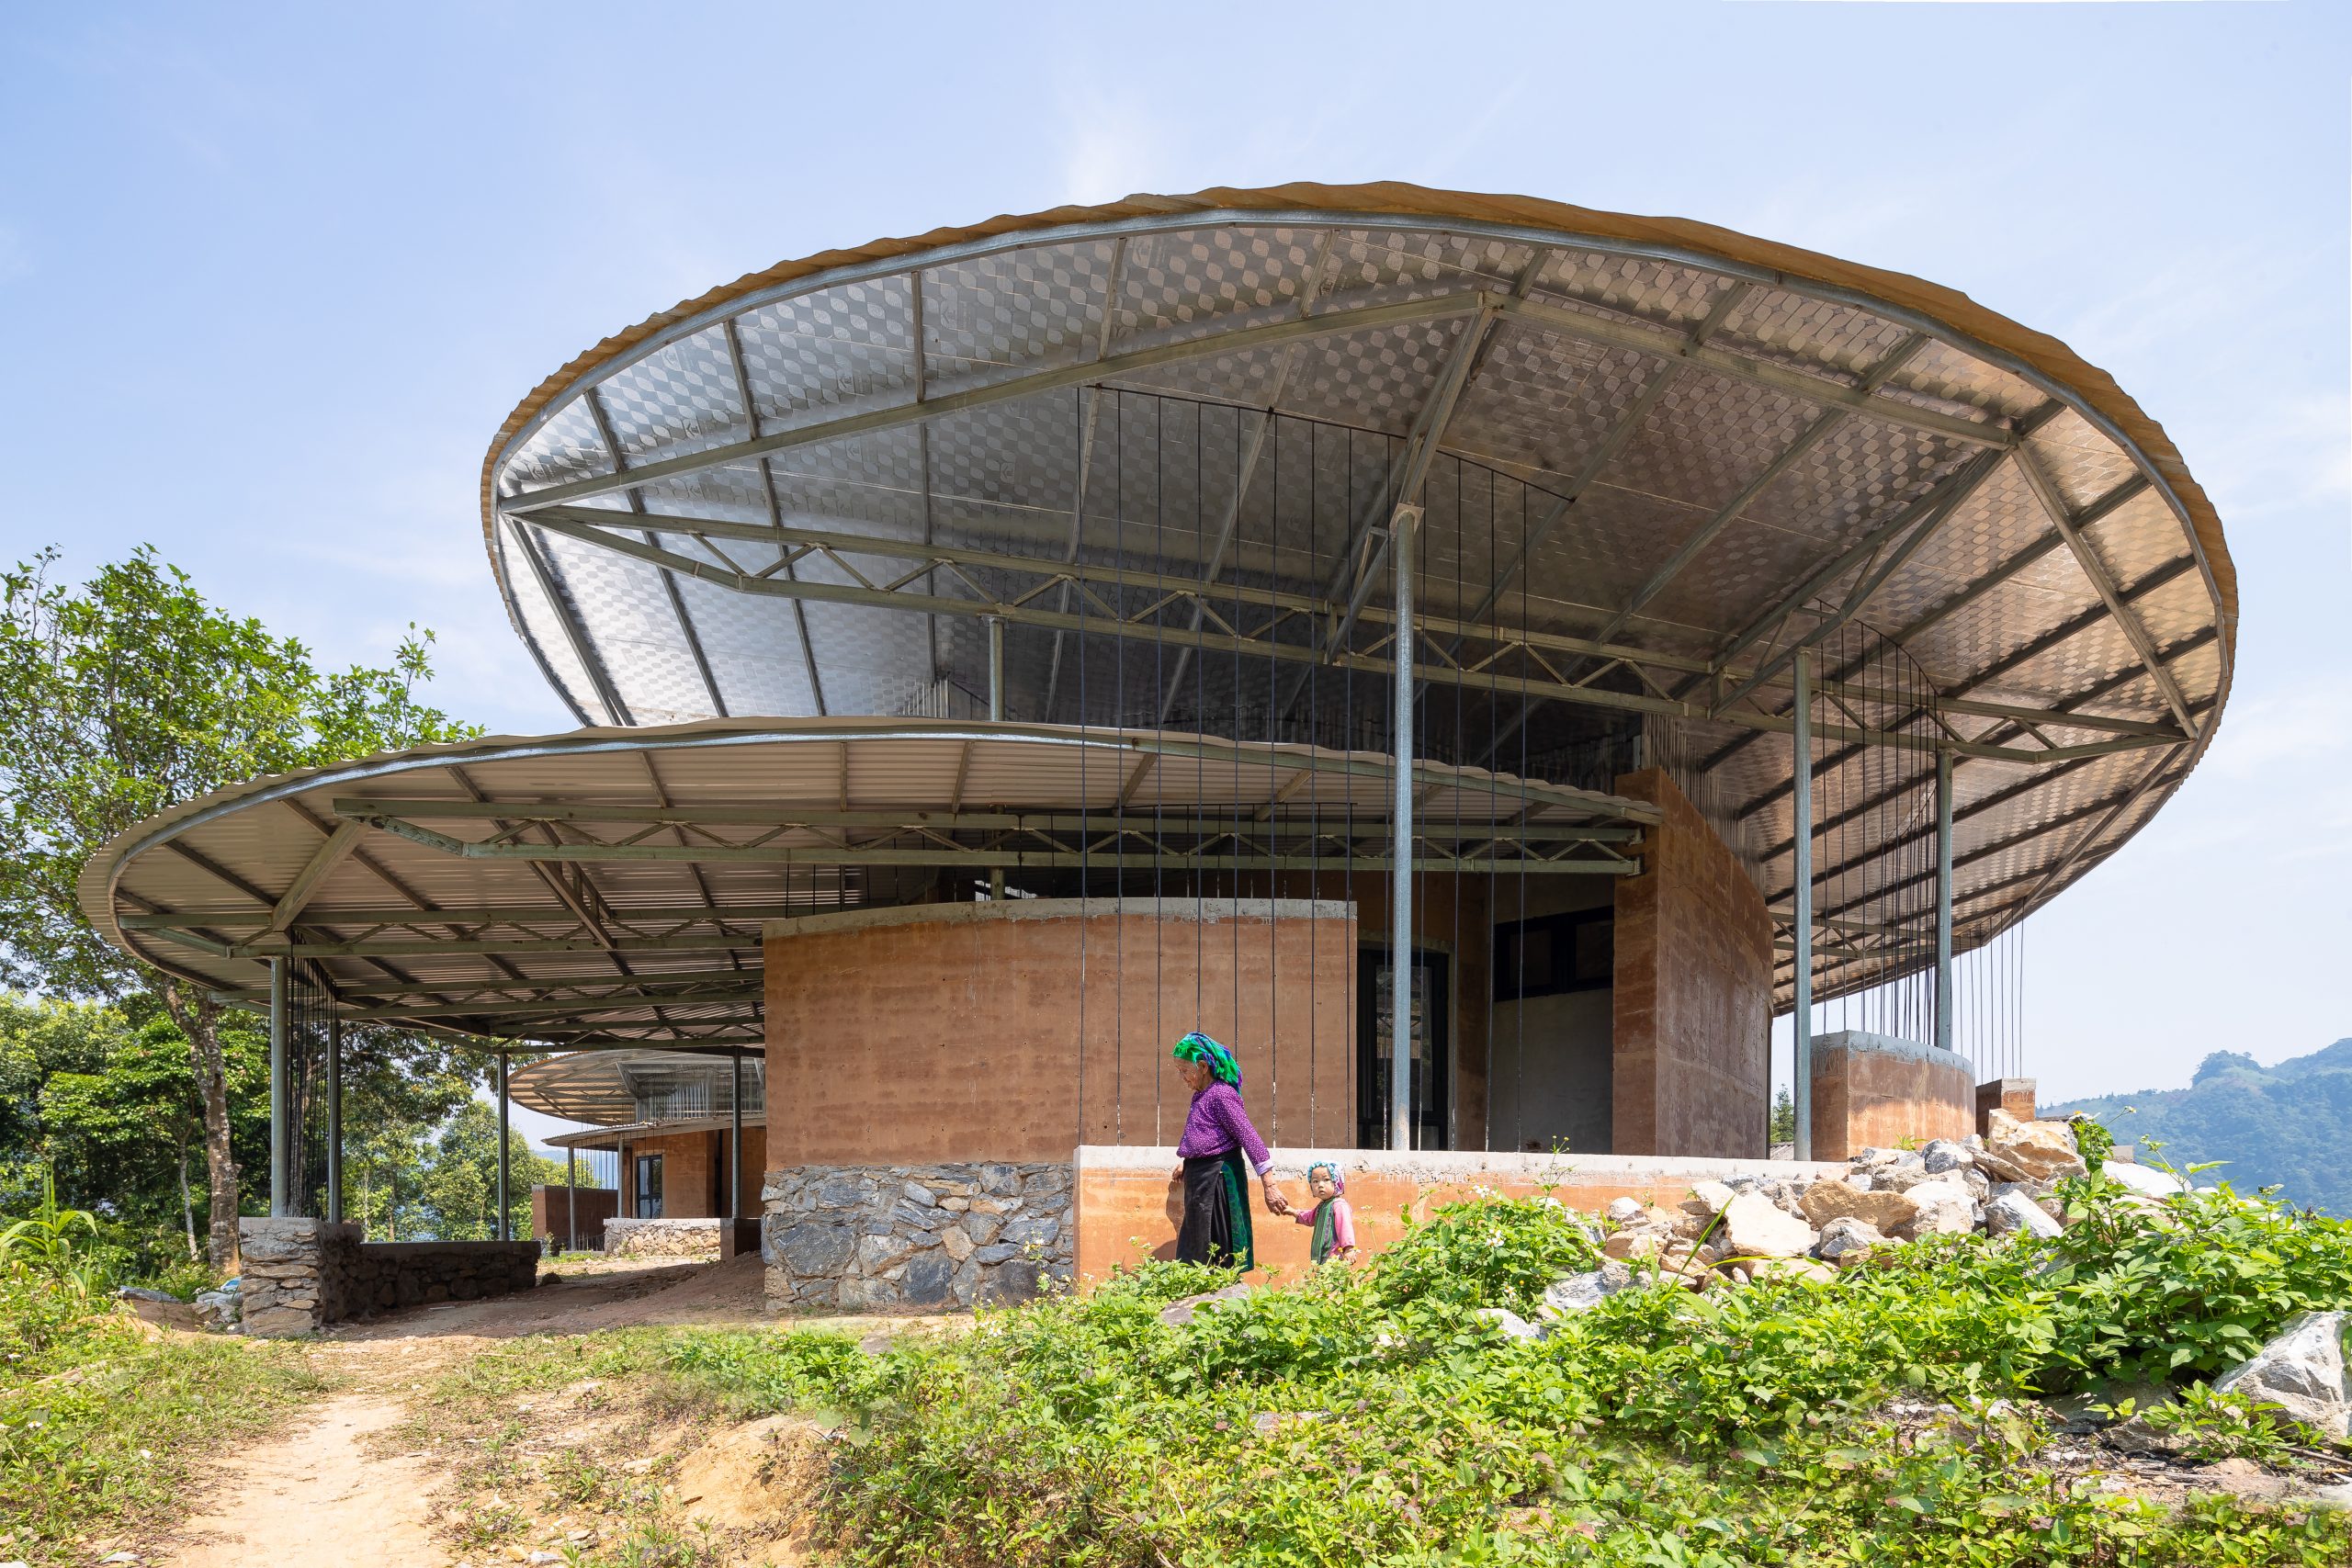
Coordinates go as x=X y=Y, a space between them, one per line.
x=318 y=1499
x=328 y=1495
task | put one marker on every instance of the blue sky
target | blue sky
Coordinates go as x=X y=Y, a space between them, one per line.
x=271 y=276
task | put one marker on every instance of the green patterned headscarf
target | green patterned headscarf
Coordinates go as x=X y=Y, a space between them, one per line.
x=1199 y=1047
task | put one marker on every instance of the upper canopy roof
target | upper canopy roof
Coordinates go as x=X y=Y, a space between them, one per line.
x=1657 y=457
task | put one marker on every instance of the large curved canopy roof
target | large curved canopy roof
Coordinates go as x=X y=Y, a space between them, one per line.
x=608 y=888
x=1657 y=460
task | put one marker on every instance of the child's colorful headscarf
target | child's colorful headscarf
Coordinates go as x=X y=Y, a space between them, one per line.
x=1199 y=1047
x=1331 y=1170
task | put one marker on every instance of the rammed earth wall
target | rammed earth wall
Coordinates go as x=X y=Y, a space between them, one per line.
x=928 y=1237
x=302 y=1275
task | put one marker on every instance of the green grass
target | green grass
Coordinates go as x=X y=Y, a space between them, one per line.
x=102 y=1425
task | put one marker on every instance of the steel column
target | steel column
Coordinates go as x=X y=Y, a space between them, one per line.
x=996 y=668
x=504 y=1209
x=735 y=1137
x=1401 y=923
x=1943 y=901
x=334 y=1121
x=1800 y=1070
x=281 y=1186
x=572 y=1200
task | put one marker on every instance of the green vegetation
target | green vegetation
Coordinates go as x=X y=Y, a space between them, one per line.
x=2286 y=1126
x=101 y=1420
x=127 y=695
x=1374 y=1415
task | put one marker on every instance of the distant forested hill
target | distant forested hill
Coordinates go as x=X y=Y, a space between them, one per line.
x=2290 y=1125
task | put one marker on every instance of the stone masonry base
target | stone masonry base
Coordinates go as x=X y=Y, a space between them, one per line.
x=932 y=1237
x=691 y=1239
x=302 y=1275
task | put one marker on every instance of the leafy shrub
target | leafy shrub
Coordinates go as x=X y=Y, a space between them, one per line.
x=1498 y=1252
x=2184 y=1287
x=1371 y=1415
x=2212 y=1425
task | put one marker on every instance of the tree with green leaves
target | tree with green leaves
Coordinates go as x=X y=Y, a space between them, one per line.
x=130 y=695
x=459 y=1178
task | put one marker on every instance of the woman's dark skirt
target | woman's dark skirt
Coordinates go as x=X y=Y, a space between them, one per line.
x=1217 y=1211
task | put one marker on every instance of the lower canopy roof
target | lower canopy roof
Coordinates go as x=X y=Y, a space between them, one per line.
x=625 y=1088
x=606 y=888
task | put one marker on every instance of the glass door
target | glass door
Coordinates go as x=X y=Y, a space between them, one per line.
x=647 y=1191
x=1432 y=1054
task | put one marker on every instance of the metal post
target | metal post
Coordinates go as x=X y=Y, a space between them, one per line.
x=735 y=1137
x=503 y=1211
x=1401 y=897
x=334 y=1121
x=1943 y=900
x=281 y=1189
x=996 y=716
x=996 y=668
x=1801 y=754
x=571 y=1199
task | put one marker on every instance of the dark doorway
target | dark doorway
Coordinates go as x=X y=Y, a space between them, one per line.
x=1432 y=1049
x=647 y=1191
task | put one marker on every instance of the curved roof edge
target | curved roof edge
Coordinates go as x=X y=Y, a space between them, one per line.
x=2044 y=356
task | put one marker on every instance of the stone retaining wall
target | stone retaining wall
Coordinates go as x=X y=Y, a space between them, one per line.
x=697 y=1240
x=302 y=1275
x=926 y=1237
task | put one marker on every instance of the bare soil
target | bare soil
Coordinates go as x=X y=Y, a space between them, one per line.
x=346 y=1489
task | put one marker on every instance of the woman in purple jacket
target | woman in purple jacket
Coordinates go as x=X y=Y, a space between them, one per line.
x=1217 y=1134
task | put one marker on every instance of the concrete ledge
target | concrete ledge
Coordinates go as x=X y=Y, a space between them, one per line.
x=1128 y=1208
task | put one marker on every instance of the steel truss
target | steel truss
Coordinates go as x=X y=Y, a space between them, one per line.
x=1287 y=628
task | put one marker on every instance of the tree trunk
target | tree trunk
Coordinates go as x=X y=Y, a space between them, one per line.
x=199 y=1017
x=188 y=1204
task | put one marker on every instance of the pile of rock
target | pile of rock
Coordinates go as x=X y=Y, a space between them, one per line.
x=926 y=1237
x=1802 y=1227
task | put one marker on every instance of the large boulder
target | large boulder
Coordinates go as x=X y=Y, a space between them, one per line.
x=1834 y=1200
x=1625 y=1211
x=2301 y=1374
x=2014 y=1213
x=1754 y=1226
x=2028 y=1151
x=1509 y=1325
x=1944 y=1208
x=1944 y=1153
x=1178 y=1314
x=2143 y=1180
x=1581 y=1292
x=1577 y=1291
x=1707 y=1200
x=1846 y=1240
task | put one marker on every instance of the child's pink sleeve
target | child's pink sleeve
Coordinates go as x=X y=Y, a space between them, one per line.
x=1343 y=1225
x=1304 y=1216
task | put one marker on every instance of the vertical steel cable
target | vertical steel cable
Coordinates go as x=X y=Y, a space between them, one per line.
x=1274 y=990
x=1118 y=708
x=1313 y=789
x=1518 y=1013
x=1085 y=795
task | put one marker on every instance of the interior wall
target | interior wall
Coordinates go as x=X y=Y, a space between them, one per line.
x=1552 y=1065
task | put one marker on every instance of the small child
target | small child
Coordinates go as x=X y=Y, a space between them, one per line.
x=1334 y=1223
